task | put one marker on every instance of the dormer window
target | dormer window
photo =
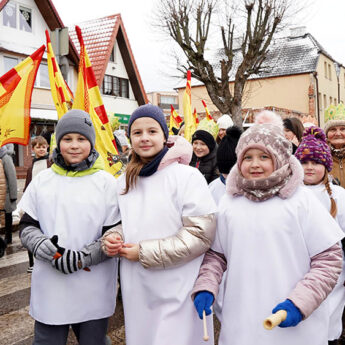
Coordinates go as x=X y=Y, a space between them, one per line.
x=9 y=15
x=17 y=17
x=25 y=19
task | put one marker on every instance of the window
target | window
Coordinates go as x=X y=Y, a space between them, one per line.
x=168 y=100
x=115 y=86
x=107 y=85
x=324 y=102
x=329 y=72
x=42 y=77
x=17 y=17
x=25 y=19
x=124 y=88
x=320 y=101
x=112 y=55
x=9 y=63
x=325 y=66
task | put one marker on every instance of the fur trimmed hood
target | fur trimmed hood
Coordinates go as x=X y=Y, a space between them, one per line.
x=180 y=151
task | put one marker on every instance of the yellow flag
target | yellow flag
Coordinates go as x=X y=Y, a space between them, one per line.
x=88 y=98
x=15 y=99
x=61 y=93
x=189 y=123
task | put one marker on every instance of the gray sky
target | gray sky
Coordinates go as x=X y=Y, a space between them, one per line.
x=323 y=19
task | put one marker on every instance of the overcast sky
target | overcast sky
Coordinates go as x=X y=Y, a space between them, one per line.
x=324 y=19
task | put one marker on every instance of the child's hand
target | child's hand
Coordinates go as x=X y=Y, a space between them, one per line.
x=112 y=244
x=130 y=251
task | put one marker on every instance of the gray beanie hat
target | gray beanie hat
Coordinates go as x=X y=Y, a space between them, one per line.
x=76 y=121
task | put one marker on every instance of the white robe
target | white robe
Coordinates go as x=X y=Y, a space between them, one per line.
x=157 y=304
x=268 y=246
x=75 y=209
x=217 y=189
x=336 y=299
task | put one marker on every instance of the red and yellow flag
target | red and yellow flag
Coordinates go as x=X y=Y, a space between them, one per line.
x=208 y=115
x=195 y=117
x=61 y=93
x=15 y=99
x=88 y=98
x=187 y=109
x=175 y=119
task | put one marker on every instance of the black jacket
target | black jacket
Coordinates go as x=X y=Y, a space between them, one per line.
x=207 y=165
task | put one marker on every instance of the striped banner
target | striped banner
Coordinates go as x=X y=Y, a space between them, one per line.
x=16 y=88
x=61 y=93
x=208 y=115
x=88 y=98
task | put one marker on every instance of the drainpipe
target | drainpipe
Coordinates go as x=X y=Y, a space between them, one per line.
x=317 y=97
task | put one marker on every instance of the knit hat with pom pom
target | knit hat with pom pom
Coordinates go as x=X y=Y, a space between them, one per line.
x=313 y=147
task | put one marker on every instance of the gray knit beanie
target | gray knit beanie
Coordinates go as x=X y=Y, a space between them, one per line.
x=76 y=121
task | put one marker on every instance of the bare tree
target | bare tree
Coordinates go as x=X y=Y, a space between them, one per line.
x=243 y=47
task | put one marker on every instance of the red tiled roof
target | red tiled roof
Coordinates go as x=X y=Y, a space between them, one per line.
x=99 y=37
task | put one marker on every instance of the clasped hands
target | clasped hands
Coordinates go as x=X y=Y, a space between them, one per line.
x=64 y=260
x=113 y=245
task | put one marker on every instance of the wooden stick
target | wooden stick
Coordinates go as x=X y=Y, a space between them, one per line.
x=206 y=337
x=275 y=319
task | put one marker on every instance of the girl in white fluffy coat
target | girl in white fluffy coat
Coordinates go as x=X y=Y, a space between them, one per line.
x=316 y=158
x=168 y=223
x=281 y=246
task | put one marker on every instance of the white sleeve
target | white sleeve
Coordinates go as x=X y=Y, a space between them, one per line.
x=320 y=230
x=197 y=199
x=222 y=228
x=111 y=202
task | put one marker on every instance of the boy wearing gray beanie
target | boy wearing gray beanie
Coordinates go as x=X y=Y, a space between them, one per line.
x=67 y=208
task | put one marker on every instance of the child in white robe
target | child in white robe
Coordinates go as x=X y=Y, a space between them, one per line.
x=67 y=209
x=168 y=221
x=280 y=244
x=316 y=158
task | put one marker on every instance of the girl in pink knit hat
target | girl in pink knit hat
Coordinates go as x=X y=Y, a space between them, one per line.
x=316 y=158
x=279 y=245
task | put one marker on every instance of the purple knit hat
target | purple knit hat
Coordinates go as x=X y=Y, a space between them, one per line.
x=313 y=147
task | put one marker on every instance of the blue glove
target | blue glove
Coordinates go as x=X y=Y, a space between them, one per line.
x=203 y=301
x=294 y=316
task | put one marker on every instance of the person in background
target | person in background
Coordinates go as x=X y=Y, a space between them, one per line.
x=335 y=133
x=226 y=158
x=223 y=123
x=11 y=192
x=293 y=131
x=315 y=156
x=204 y=154
x=39 y=146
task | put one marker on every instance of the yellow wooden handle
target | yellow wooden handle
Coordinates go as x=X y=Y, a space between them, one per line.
x=275 y=319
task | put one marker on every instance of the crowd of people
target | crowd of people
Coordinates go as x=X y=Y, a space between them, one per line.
x=245 y=223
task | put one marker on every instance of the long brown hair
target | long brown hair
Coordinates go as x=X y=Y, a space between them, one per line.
x=132 y=171
x=334 y=209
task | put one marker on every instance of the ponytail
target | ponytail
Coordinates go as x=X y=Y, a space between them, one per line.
x=334 y=209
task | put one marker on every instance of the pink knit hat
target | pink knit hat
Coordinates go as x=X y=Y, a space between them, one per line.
x=268 y=138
